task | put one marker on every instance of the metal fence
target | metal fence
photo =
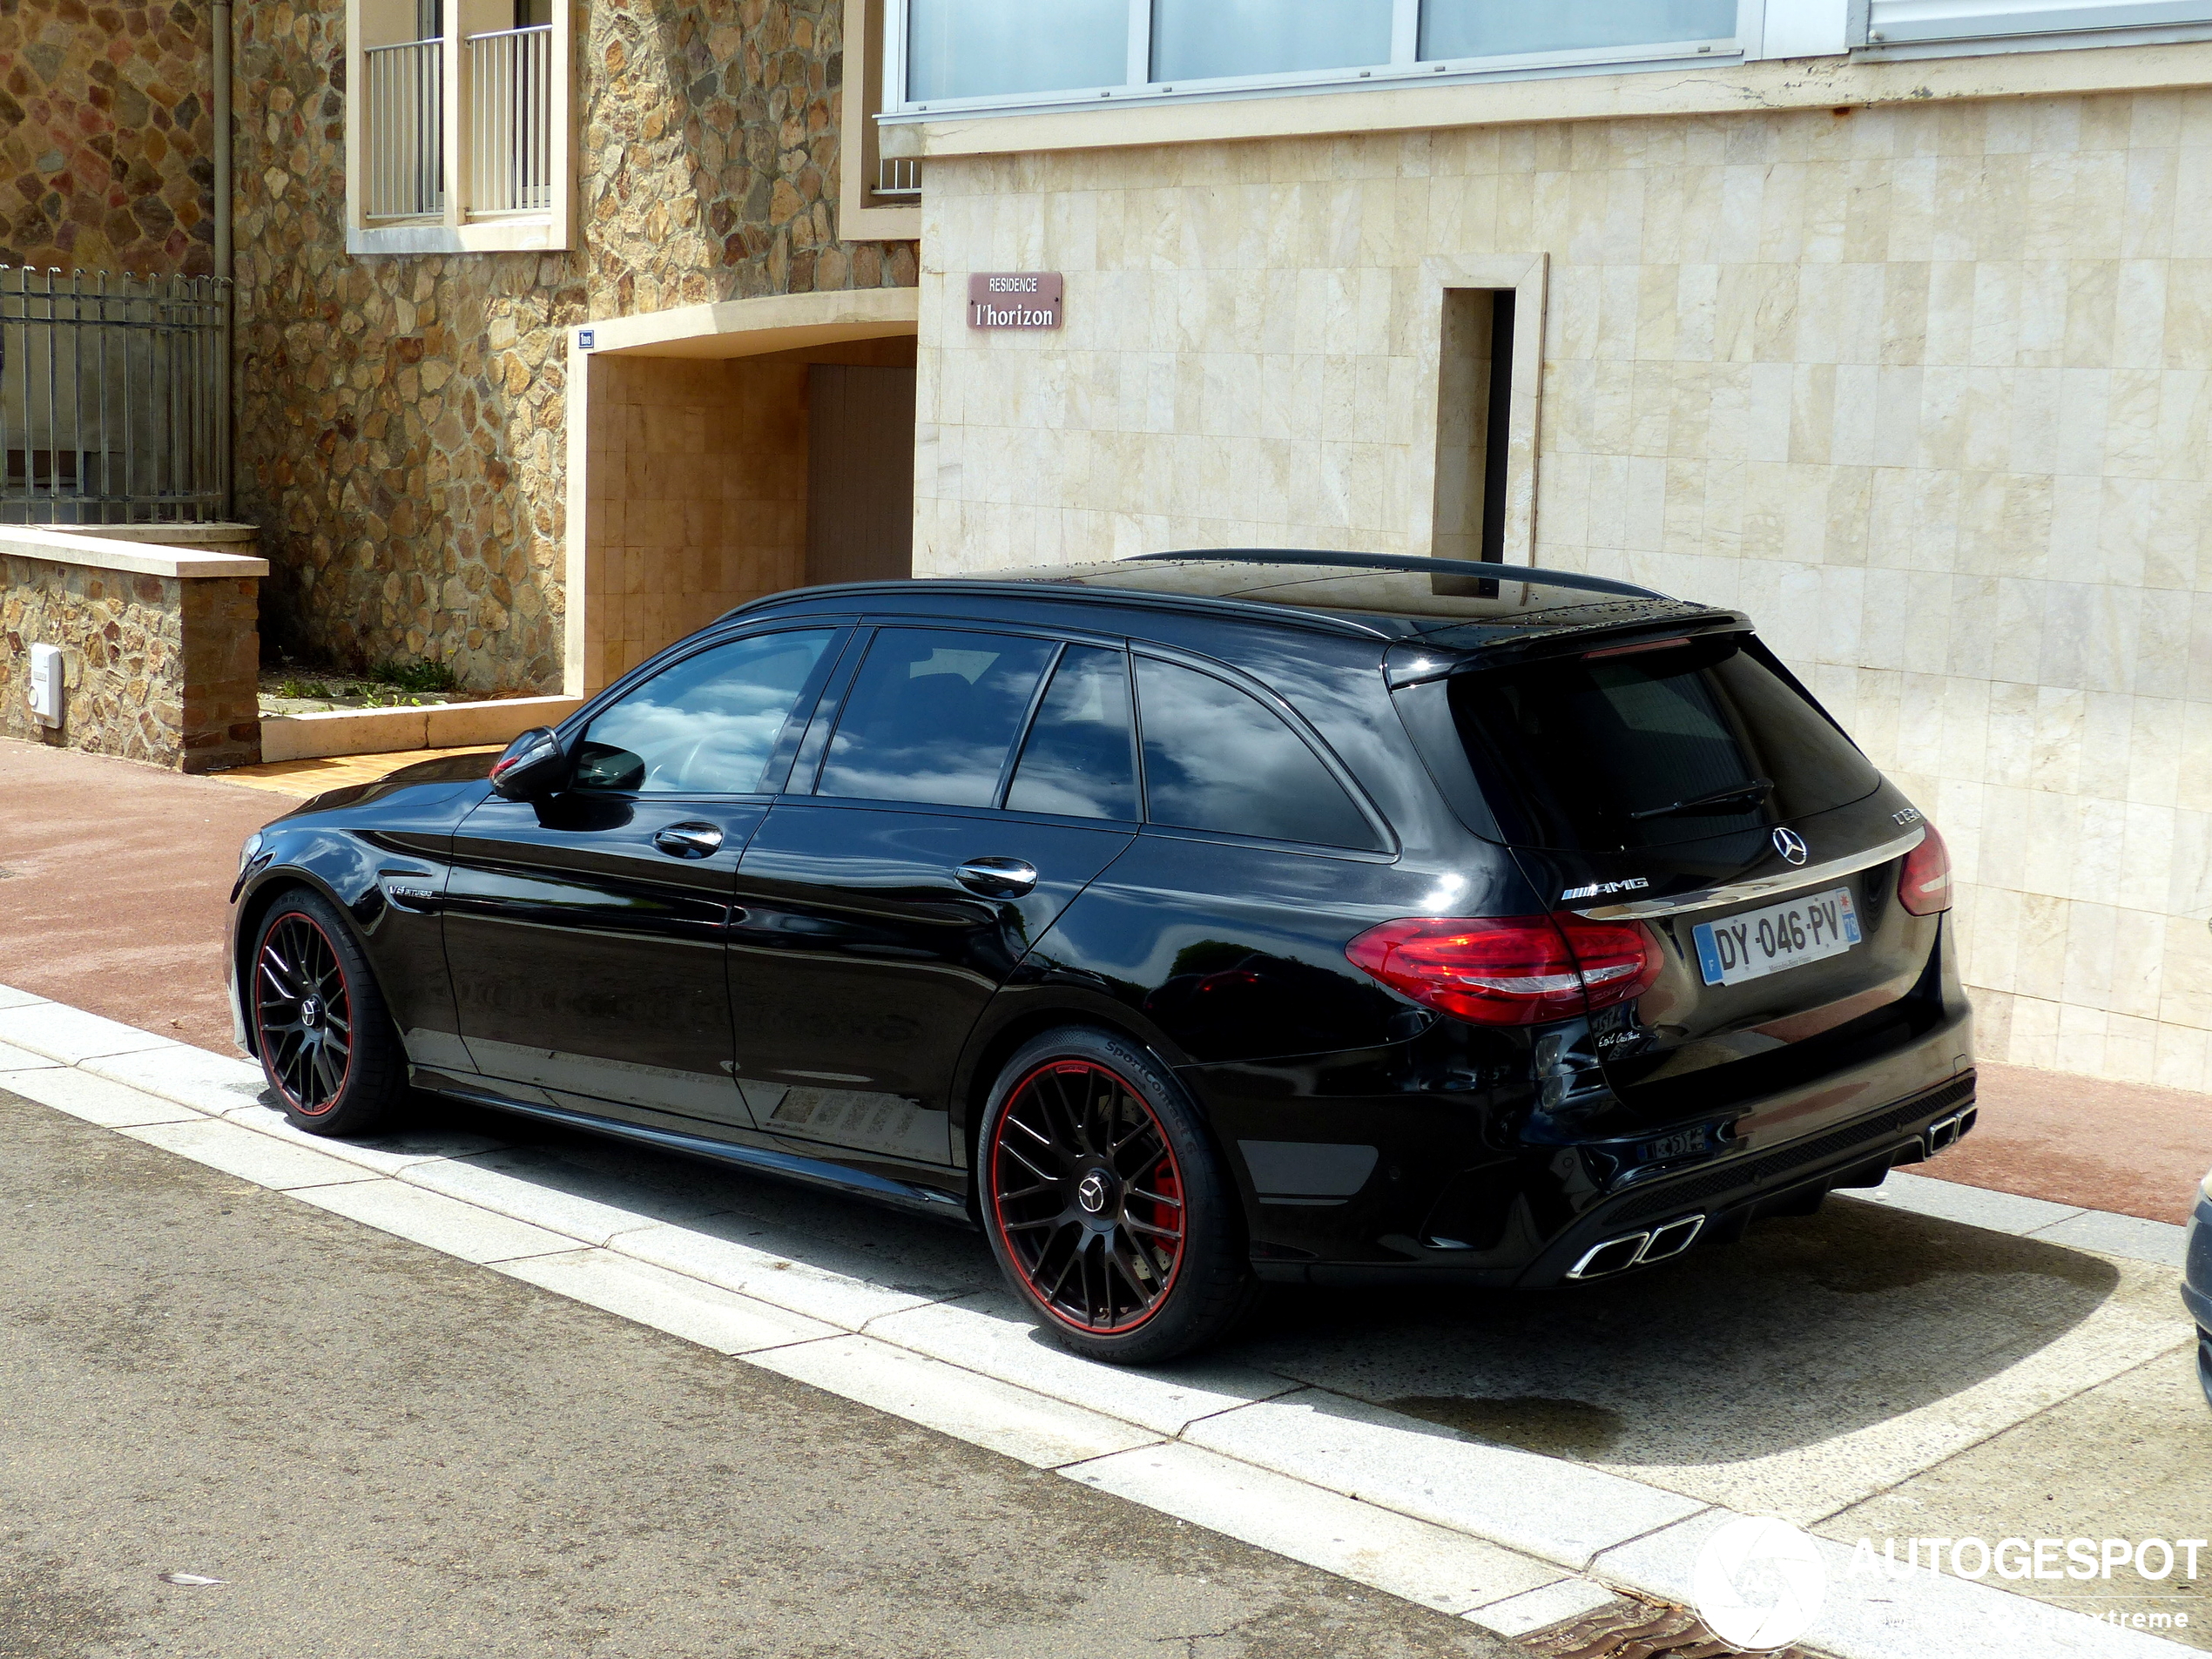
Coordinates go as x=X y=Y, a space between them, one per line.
x=113 y=398
x=510 y=143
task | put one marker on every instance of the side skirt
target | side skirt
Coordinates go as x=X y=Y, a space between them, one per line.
x=787 y=1166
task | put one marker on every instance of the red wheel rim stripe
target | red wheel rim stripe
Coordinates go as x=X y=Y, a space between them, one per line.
x=261 y=1034
x=1172 y=1187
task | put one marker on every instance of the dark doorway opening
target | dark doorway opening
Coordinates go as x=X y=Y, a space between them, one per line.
x=1473 y=432
x=860 y=472
x=1496 y=425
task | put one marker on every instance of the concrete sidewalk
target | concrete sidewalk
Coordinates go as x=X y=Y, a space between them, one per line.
x=118 y=900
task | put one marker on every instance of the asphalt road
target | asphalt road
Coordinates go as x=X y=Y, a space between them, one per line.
x=382 y=1450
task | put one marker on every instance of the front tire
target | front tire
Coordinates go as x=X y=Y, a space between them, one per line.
x=319 y=1024
x=1106 y=1206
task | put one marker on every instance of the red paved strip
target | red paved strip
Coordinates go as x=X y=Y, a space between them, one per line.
x=121 y=887
x=2079 y=1140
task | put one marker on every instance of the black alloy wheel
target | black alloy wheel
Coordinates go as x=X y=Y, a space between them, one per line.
x=1105 y=1204
x=325 y=1042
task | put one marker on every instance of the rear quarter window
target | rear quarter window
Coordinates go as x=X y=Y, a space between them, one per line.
x=1618 y=750
x=1216 y=758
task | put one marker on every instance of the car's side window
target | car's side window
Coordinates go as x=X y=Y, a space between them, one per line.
x=1079 y=760
x=1216 y=758
x=705 y=725
x=932 y=715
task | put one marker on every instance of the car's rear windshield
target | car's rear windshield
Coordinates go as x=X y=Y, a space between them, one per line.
x=1652 y=745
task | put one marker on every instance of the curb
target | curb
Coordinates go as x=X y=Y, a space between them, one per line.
x=1511 y=1541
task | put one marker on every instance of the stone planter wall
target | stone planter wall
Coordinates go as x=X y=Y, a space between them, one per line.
x=160 y=647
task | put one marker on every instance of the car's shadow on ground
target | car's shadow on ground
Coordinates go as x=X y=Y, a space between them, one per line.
x=921 y=1254
x=1807 y=1331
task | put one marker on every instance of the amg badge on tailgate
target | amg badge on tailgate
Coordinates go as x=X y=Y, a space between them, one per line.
x=1596 y=889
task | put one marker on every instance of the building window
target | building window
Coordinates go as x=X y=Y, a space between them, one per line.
x=962 y=49
x=880 y=168
x=1969 y=23
x=404 y=89
x=1489 y=28
x=952 y=54
x=958 y=55
x=1218 y=39
x=457 y=125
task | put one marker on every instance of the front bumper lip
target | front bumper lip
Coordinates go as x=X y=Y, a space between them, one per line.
x=2196 y=1274
x=2196 y=1283
x=241 y=1038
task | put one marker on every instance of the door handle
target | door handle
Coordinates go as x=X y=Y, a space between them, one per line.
x=998 y=878
x=689 y=840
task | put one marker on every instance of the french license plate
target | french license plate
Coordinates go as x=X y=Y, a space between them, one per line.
x=1760 y=942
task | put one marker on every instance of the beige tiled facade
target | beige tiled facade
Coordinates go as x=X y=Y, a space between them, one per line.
x=695 y=484
x=699 y=497
x=1926 y=387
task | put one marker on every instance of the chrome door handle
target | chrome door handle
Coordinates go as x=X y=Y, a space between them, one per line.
x=689 y=840
x=998 y=878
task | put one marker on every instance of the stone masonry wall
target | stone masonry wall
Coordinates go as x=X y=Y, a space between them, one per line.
x=154 y=668
x=401 y=418
x=106 y=136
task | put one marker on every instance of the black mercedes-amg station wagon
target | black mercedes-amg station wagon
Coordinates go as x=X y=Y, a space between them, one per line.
x=1185 y=923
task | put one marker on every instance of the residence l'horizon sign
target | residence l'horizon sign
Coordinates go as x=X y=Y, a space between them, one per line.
x=1013 y=300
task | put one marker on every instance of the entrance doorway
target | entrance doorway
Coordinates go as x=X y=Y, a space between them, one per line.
x=1474 y=423
x=860 y=472
x=722 y=466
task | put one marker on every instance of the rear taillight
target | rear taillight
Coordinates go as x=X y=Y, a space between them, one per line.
x=1510 y=970
x=1924 y=885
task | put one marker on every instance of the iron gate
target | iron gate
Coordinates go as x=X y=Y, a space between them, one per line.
x=113 y=398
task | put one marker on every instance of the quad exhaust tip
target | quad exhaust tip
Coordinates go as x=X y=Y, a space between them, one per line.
x=1946 y=1131
x=1637 y=1250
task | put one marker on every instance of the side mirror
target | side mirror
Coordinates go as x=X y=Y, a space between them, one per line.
x=531 y=768
x=604 y=769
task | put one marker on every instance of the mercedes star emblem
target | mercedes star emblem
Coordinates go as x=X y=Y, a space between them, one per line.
x=1091 y=1194
x=1790 y=844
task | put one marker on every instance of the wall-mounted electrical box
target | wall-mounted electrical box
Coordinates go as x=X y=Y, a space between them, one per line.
x=46 y=685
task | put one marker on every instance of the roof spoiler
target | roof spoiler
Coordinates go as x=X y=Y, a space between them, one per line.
x=1413 y=662
x=1488 y=570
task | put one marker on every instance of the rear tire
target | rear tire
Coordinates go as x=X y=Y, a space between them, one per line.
x=1111 y=1213
x=326 y=1041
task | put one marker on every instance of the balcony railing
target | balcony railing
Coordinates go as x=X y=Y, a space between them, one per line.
x=511 y=122
x=406 y=135
x=899 y=176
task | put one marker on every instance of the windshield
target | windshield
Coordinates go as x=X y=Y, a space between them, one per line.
x=1650 y=744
